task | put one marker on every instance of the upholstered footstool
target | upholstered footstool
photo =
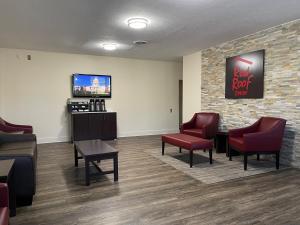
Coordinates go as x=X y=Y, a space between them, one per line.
x=187 y=142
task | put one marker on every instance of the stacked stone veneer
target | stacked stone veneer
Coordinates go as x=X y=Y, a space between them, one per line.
x=281 y=84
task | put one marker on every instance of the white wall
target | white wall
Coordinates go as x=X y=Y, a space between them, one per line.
x=191 y=85
x=35 y=92
x=1 y=83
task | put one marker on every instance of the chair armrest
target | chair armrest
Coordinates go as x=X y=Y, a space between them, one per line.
x=3 y=195
x=210 y=130
x=7 y=138
x=188 y=124
x=239 y=132
x=263 y=141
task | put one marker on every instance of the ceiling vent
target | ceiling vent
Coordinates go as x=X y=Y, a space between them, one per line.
x=140 y=43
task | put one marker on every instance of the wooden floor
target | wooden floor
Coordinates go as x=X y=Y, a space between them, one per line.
x=152 y=192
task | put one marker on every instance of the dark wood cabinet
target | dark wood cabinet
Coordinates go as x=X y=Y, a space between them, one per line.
x=92 y=125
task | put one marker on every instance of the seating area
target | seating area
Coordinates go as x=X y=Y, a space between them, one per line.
x=139 y=112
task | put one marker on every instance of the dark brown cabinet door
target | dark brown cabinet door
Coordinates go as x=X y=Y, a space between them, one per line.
x=95 y=125
x=80 y=127
x=89 y=126
x=109 y=126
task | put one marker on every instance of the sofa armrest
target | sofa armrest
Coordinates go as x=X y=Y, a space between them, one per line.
x=3 y=195
x=17 y=125
x=7 y=138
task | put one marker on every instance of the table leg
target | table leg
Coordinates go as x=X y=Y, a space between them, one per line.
x=116 y=168
x=12 y=195
x=210 y=156
x=191 y=159
x=75 y=156
x=227 y=146
x=87 y=172
x=163 y=148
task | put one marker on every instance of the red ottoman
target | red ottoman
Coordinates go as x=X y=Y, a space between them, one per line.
x=187 y=142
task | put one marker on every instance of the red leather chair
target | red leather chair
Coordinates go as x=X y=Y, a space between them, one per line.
x=263 y=137
x=4 y=211
x=203 y=125
x=13 y=128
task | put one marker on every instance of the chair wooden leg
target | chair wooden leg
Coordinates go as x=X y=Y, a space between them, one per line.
x=229 y=153
x=277 y=160
x=179 y=150
x=163 y=148
x=245 y=161
x=257 y=156
x=210 y=156
x=191 y=159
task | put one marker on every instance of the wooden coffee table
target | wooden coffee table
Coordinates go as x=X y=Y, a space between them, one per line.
x=93 y=151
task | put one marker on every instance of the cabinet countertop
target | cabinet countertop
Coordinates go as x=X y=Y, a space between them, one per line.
x=74 y=113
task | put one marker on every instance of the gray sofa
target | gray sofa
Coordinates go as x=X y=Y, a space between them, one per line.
x=22 y=148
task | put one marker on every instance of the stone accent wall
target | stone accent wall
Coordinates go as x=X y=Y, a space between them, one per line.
x=281 y=87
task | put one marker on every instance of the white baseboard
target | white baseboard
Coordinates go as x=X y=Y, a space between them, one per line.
x=45 y=140
x=148 y=132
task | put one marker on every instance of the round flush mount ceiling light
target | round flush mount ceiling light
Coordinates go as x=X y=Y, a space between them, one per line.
x=109 y=46
x=138 y=23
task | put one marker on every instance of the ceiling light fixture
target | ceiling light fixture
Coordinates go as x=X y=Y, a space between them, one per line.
x=109 y=46
x=138 y=23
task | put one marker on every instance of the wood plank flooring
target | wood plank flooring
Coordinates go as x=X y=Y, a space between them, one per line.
x=152 y=192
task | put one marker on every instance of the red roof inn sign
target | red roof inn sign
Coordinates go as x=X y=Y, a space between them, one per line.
x=245 y=75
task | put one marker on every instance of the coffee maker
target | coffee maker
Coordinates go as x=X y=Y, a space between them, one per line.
x=92 y=105
x=97 y=105
x=102 y=105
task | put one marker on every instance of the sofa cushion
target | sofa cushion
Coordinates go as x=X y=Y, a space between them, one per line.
x=18 y=146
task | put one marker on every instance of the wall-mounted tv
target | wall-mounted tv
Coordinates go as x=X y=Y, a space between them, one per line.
x=91 y=86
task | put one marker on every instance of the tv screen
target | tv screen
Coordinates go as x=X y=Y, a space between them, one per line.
x=88 y=85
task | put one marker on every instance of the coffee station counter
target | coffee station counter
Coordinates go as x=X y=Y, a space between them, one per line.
x=76 y=112
x=93 y=125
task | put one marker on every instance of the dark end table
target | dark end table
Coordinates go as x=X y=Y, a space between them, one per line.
x=222 y=142
x=222 y=145
x=6 y=173
x=93 y=151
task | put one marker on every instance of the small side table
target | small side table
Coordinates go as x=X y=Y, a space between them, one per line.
x=6 y=173
x=222 y=142
x=222 y=145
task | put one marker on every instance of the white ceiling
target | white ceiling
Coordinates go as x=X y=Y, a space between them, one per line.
x=178 y=27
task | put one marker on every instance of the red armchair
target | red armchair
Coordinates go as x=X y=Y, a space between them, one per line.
x=13 y=128
x=203 y=125
x=4 y=211
x=263 y=137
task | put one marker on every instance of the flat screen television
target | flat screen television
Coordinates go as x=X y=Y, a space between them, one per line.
x=92 y=86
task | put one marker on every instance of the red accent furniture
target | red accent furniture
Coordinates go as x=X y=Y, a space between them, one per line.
x=263 y=137
x=4 y=211
x=187 y=142
x=13 y=128
x=202 y=125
